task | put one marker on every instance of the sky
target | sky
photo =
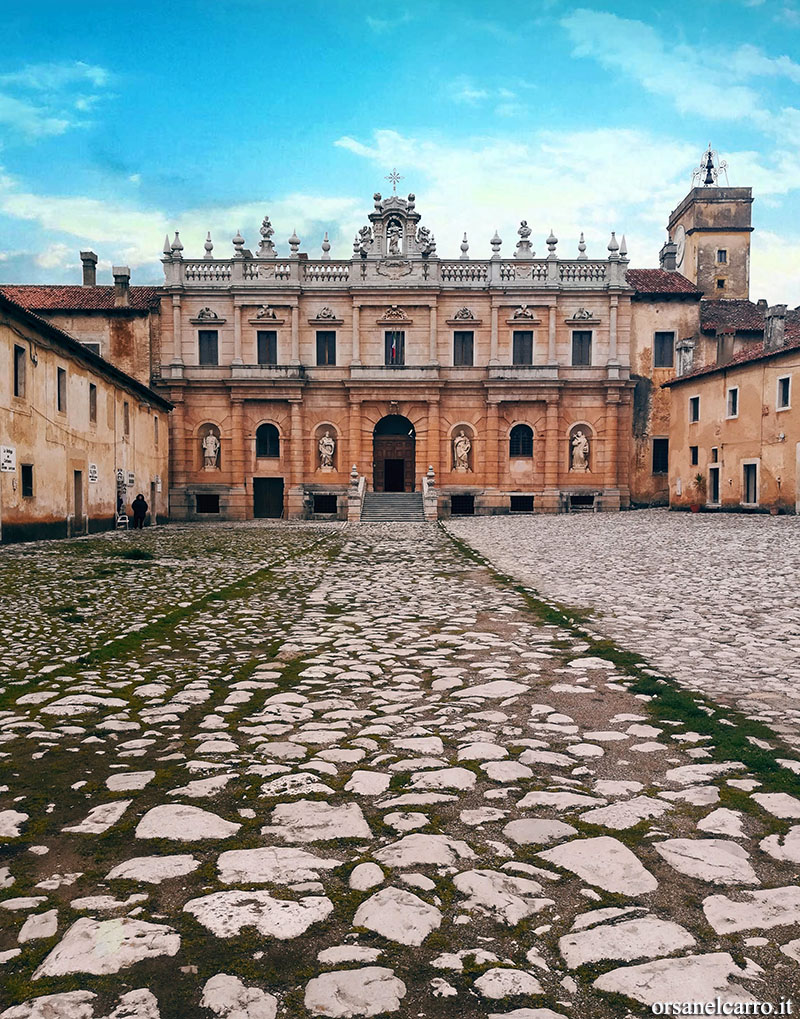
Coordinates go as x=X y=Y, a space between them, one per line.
x=121 y=122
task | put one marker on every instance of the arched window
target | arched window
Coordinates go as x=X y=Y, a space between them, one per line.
x=268 y=442
x=520 y=441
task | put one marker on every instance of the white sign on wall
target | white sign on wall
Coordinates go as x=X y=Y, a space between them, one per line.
x=8 y=458
x=158 y=482
x=131 y=479
x=93 y=473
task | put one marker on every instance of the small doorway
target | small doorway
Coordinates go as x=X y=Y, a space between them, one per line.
x=78 y=499
x=153 y=512
x=713 y=486
x=393 y=454
x=268 y=497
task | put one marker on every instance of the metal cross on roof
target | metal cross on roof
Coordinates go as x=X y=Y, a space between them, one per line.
x=393 y=179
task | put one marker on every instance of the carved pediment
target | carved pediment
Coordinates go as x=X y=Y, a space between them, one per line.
x=524 y=312
x=395 y=314
x=266 y=312
x=464 y=314
x=206 y=314
x=326 y=314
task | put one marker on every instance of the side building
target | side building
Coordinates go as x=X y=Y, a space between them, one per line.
x=76 y=433
x=735 y=422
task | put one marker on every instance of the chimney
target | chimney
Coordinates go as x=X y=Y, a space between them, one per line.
x=668 y=256
x=761 y=304
x=774 y=327
x=725 y=347
x=122 y=285
x=89 y=262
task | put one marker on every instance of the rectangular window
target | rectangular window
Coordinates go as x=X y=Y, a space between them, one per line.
x=521 y=504
x=126 y=418
x=207 y=503
x=663 y=350
x=660 y=456
x=784 y=392
x=463 y=343
x=92 y=402
x=395 y=346
x=581 y=347
x=94 y=347
x=722 y=256
x=694 y=455
x=714 y=454
x=720 y=284
x=19 y=370
x=750 y=484
x=733 y=402
x=207 y=346
x=713 y=485
x=326 y=347
x=694 y=409
x=61 y=390
x=523 y=347
x=155 y=431
x=267 y=341
x=26 y=471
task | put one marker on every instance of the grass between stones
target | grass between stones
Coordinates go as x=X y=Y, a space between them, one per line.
x=667 y=700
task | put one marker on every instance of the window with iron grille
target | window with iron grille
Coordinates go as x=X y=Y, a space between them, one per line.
x=523 y=347
x=520 y=441
x=268 y=441
x=326 y=347
x=463 y=348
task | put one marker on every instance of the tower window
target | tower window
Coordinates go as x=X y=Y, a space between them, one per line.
x=720 y=284
x=694 y=408
x=722 y=256
x=733 y=402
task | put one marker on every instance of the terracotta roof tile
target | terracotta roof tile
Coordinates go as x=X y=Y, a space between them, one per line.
x=739 y=316
x=74 y=298
x=752 y=352
x=660 y=281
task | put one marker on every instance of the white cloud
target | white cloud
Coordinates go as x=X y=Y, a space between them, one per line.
x=46 y=100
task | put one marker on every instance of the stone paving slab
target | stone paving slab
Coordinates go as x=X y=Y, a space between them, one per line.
x=343 y=771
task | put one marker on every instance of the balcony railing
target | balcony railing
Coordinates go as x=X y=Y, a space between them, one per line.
x=395 y=372
x=524 y=372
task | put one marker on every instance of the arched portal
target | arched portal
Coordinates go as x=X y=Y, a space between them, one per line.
x=393 y=459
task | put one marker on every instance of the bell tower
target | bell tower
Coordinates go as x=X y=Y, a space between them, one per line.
x=709 y=233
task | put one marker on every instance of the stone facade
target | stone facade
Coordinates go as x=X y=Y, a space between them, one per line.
x=395 y=354
x=69 y=422
x=735 y=424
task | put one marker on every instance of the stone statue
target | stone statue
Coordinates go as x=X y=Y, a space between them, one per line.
x=581 y=314
x=461 y=448
x=524 y=230
x=524 y=249
x=327 y=447
x=394 y=233
x=580 y=452
x=424 y=240
x=211 y=452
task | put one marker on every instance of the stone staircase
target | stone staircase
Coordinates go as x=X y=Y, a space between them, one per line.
x=400 y=506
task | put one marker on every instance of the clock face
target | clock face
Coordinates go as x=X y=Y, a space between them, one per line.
x=679 y=239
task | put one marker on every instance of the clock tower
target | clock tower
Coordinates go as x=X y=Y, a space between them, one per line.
x=709 y=234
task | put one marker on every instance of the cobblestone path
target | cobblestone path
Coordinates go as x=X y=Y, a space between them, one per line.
x=710 y=599
x=319 y=770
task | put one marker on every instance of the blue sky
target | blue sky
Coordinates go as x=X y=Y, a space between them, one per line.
x=120 y=122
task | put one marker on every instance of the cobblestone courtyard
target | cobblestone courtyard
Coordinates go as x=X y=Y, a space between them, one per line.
x=254 y=772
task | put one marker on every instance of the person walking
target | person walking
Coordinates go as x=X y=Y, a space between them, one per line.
x=139 y=507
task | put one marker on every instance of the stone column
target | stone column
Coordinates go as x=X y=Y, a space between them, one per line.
x=610 y=440
x=354 y=436
x=491 y=467
x=355 y=357
x=433 y=439
x=237 y=334
x=297 y=452
x=552 y=457
x=178 y=466
x=493 y=341
x=177 y=347
x=551 y=336
x=295 y=334
x=433 y=352
x=612 y=330
x=237 y=455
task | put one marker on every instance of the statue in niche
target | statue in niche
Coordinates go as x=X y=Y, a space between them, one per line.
x=461 y=448
x=210 y=452
x=393 y=234
x=580 y=452
x=327 y=447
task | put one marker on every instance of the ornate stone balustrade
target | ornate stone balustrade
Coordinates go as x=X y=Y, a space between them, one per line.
x=463 y=272
x=206 y=272
x=326 y=272
x=524 y=272
x=579 y=272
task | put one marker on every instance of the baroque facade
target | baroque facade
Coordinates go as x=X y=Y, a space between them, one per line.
x=509 y=376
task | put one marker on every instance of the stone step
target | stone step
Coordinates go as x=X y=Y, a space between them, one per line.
x=386 y=506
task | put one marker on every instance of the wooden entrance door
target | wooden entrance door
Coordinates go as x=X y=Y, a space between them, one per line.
x=267 y=497
x=394 y=463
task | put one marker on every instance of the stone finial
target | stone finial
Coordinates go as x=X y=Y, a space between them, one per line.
x=354 y=476
x=376 y=198
x=167 y=249
x=552 y=240
x=495 y=243
x=465 y=249
x=582 y=256
x=613 y=246
x=209 y=246
x=412 y=201
x=431 y=475
x=326 y=246
x=623 y=248
x=176 y=247
x=294 y=244
x=238 y=244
